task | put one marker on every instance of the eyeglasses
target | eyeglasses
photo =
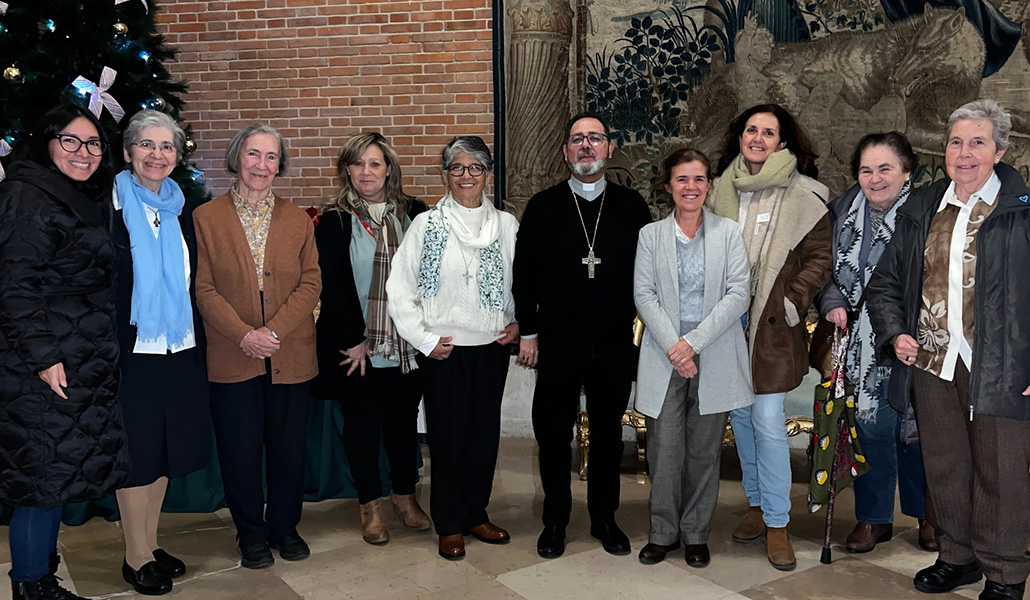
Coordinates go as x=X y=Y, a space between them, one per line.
x=149 y=146
x=474 y=170
x=72 y=143
x=595 y=139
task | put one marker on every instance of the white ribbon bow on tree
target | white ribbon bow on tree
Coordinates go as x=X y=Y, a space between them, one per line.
x=146 y=7
x=98 y=96
x=5 y=149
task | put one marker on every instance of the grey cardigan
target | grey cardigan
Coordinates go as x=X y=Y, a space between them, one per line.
x=725 y=372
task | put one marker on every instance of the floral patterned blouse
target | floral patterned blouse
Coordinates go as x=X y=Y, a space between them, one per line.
x=255 y=220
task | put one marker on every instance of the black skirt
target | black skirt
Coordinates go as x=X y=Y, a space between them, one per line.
x=167 y=411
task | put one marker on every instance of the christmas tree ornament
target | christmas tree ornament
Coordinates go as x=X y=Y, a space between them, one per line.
x=12 y=73
x=146 y=7
x=98 y=96
x=47 y=25
x=121 y=28
x=190 y=146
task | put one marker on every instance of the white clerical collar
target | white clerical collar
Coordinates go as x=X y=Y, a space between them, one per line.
x=467 y=210
x=588 y=191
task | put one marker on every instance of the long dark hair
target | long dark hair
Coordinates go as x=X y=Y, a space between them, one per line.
x=50 y=124
x=791 y=135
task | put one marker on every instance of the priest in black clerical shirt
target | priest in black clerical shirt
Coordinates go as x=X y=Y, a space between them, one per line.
x=573 y=289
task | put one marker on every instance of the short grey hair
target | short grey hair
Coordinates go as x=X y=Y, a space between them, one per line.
x=985 y=108
x=232 y=153
x=153 y=118
x=470 y=144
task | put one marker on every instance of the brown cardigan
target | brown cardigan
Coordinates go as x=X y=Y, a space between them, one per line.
x=229 y=300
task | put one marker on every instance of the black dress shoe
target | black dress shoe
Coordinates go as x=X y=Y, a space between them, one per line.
x=1000 y=591
x=150 y=580
x=943 y=577
x=697 y=555
x=171 y=565
x=652 y=554
x=255 y=556
x=291 y=547
x=551 y=543
x=612 y=539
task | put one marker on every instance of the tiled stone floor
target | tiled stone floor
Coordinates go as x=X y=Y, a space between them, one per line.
x=343 y=566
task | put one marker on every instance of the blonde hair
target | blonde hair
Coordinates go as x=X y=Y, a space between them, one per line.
x=352 y=151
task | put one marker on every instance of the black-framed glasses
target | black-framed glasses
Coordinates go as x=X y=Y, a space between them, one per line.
x=72 y=143
x=595 y=139
x=474 y=170
x=150 y=146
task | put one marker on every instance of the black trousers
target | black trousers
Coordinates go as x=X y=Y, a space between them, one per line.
x=976 y=478
x=606 y=373
x=254 y=416
x=463 y=415
x=380 y=409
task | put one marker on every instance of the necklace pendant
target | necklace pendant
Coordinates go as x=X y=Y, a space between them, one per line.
x=590 y=261
x=157 y=220
x=468 y=277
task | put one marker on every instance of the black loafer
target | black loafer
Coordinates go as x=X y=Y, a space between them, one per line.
x=551 y=543
x=612 y=539
x=150 y=580
x=697 y=555
x=943 y=577
x=171 y=565
x=1001 y=591
x=255 y=556
x=291 y=547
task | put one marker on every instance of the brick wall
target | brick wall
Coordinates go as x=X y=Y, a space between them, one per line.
x=321 y=70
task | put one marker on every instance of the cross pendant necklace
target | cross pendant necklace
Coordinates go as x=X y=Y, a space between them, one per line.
x=590 y=260
x=157 y=219
x=468 y=264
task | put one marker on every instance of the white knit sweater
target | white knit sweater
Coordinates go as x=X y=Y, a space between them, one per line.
x=456 y=310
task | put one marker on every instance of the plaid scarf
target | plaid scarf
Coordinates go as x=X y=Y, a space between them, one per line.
x=851 y=277
x=380 y=333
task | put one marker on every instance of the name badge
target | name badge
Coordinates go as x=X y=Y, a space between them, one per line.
x=762 y=218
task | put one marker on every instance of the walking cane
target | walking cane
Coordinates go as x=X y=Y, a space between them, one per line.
x=839 y=349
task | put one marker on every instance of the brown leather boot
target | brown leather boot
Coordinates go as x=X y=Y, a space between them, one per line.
x=779 y=549
x=751 y=528
x=407 y=509
x=373 y=523
x=928 y=537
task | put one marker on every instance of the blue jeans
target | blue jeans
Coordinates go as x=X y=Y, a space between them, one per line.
x=891 y=462
x=33 y=539
x=761 y=434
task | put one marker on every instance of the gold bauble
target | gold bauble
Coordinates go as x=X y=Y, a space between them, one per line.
x=12 y=73
x=121 y=28
x=190 y=146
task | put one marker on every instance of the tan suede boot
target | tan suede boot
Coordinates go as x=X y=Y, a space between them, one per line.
x=779 y=549
x=751 y=528
x=407 y=509
x=373 y=523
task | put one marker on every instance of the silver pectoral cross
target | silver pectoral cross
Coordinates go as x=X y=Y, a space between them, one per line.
x=590 y=261
x=467 y=276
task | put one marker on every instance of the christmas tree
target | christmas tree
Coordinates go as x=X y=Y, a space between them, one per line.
x=101 y=54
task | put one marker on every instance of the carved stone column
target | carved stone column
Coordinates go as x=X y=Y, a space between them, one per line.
x=538 y=96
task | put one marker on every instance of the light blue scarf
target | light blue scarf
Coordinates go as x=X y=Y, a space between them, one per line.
x=160 y=300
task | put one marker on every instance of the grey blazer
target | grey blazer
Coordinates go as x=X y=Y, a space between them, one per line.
x=725 y=374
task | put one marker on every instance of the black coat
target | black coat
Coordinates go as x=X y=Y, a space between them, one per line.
x=57 y=306
x=341 y=324
x=1001 y=348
